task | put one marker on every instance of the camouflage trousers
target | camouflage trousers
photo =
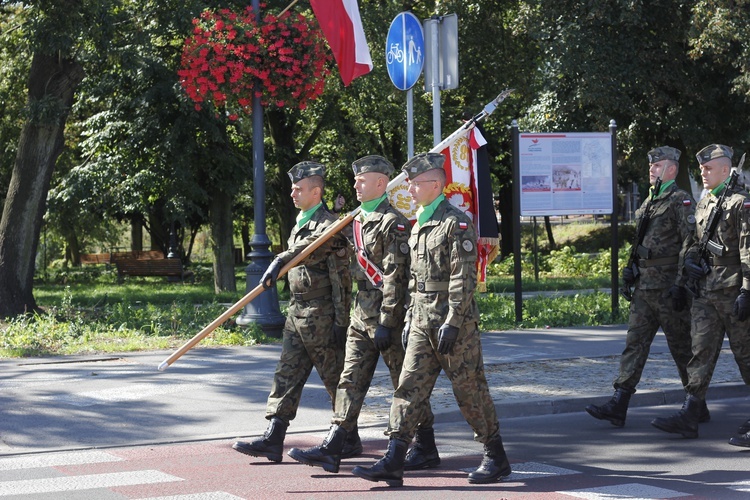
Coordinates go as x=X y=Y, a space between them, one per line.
x=649 y=310
x=712 y=317
x=464 y=368
x=307 y=342
x=360 y=361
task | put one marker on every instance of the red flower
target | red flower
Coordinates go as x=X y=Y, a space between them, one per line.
x=228 y=51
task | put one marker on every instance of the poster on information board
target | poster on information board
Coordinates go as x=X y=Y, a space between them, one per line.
x=565 y=173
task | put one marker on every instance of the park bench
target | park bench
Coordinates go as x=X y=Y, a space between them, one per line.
x=171 y=268
x=95 y=258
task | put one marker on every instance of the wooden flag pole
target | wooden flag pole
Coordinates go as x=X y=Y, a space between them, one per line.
x=324 y=236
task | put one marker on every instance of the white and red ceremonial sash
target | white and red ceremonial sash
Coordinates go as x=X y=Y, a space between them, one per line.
x=342 y=26
x=461 y=189
x=373 y=273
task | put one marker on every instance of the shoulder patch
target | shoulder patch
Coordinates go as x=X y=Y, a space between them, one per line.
x=746 y=204
x=463 y=225
x=401 y=227
x=467 y=245
x=404 y=247
x=691 y=219
x=686 y=202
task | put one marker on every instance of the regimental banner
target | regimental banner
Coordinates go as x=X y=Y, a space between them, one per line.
x=464 y=176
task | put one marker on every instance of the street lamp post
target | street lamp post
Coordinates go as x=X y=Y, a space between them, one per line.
x=264 y=310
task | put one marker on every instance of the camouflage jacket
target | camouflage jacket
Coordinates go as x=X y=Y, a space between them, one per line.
x=732 y=269
x=326 y=267
x=385 y=235
x=670 y=233
x=443 y=270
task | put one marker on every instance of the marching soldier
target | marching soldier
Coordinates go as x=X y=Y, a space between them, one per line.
x=381 y=265
x=318 y=314
x=666 y=229
x=722 y=296
x=441 y=330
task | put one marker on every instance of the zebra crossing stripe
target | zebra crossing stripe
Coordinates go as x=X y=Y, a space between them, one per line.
x=89 y=482
x=211 y=495
x=57 y=459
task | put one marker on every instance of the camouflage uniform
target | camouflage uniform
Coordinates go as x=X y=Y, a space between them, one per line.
x=669 y=234
x=442 y=283
x=385 y=233
x=320 y=297
x=712 y=310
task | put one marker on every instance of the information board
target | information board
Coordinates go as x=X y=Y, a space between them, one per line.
x=565 y=173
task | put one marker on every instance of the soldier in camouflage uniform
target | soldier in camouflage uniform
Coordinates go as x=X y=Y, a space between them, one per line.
x=318 y=313
x=381 y=270
x=441 y=330
x=722 y=301
x=658 y=277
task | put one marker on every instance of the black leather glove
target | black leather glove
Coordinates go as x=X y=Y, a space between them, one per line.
x=382 y=338
x=742 y=305
x=679 y=297
x=272 y=273
x=405 y=334
x=694 y=270
x=339 y=334
x=447 y=336
x=628 y=276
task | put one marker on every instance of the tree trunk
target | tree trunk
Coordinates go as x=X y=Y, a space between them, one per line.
x=550 y=236
x=220 y=217
x=136 y=235
x=52 y=84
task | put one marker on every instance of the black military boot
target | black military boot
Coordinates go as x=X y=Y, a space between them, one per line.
x=326 y=455
x=494 y=466
x=741 y=440
x=613 y=410
x=271 y=445
x=744 y=428
x=390 y=468
x=704 y=416
x=352 y=444
x=683 y=422
x=423 y=454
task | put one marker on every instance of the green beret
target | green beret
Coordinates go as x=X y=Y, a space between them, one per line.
x=714 y=151
x=372 y=163
x=305 y=169
x=422 y=163
x=664 y=153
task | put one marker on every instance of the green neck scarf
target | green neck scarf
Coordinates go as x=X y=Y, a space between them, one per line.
x=368 y=207
x=424 y=213
x=717 y=190
x=306 y=215
x=663 y=188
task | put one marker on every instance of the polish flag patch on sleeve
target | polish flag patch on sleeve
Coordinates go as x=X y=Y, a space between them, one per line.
x=463 y=225
x=686 y=202
x=746 y=204
x=401 y=227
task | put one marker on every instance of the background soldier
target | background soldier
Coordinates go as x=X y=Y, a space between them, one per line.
x=669 y=231
x=318 y=314
x=441 y=329
x=381 y=271
x=722 y=303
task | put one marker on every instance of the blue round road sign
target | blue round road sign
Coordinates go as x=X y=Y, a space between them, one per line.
x=404 y=50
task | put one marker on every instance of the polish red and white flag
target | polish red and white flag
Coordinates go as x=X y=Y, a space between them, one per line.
x=342 y=26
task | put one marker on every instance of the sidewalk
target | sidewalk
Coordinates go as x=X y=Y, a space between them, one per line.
x=220 y=393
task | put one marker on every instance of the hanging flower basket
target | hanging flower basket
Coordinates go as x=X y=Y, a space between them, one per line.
x=228 y=51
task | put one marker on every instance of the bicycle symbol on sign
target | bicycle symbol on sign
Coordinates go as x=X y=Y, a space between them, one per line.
x=395 y=53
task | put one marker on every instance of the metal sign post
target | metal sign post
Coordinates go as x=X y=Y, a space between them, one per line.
x=441 y=62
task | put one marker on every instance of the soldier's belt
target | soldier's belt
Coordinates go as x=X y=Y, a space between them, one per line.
x=313 y=294
x=729 y=260
x=432 y=286
x=366 y=285
x=663 y=261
